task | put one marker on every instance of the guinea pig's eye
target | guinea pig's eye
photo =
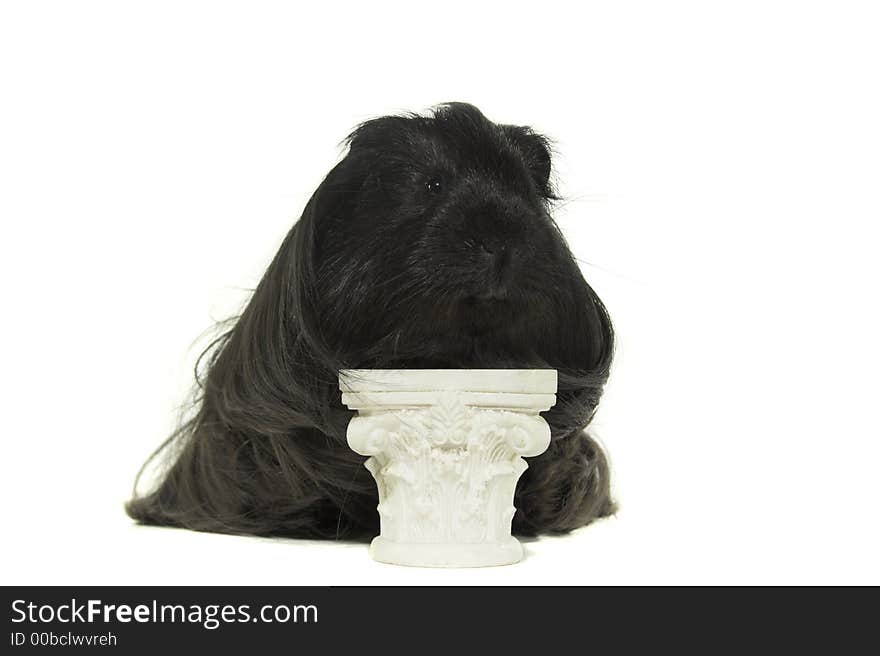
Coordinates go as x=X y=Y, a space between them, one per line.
x=434 y=185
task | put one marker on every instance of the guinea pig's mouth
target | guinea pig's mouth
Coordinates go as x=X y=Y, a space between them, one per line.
x=486 y=301
x=491 y=295
x=488 y=310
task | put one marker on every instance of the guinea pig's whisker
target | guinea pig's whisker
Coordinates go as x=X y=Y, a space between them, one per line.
x=606 y=270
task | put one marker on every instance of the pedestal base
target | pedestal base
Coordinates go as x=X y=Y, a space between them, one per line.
x=484 y=554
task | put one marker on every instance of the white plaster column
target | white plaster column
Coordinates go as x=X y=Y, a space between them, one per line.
x=446 y=448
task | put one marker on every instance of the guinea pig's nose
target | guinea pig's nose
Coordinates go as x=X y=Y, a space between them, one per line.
x=489 y=248
x=498 y=254
x=494 y=253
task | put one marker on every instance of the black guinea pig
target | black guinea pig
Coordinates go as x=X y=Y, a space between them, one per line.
x=429 y=245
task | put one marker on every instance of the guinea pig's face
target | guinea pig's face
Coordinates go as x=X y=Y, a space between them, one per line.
x=435 y=247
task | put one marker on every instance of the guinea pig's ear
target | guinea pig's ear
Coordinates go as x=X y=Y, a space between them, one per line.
x=535 y=149
x=376 y=133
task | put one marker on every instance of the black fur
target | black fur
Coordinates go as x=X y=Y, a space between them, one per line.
x=430 y=245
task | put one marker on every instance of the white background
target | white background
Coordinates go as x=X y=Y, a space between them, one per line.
x=722 y=162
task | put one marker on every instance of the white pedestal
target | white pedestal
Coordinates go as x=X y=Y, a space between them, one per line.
x=446 y=449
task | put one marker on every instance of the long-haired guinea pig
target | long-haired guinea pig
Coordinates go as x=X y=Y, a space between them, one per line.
x=429 y=245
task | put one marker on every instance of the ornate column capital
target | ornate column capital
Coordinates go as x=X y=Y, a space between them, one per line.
x=446 y=450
